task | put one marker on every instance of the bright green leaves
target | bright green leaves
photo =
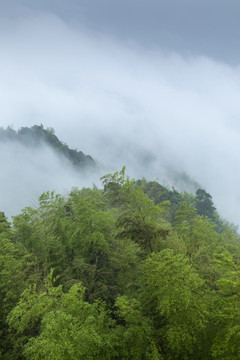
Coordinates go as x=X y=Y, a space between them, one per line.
x=33 y=305
x=72 y=236
x=65 y=326
x=89 y=229
x=226 y=343
x=75 y=330
x=38 y=230
x=174 y=296
x=90 y=225
x=128 y=284
x=184 y=217
x=136 y=333
x=199 y=238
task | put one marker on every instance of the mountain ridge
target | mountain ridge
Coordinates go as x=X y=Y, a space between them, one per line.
x=37 y=135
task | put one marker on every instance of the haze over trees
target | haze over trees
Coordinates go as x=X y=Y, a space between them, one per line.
x=37 y=135
x=139 y=266
x=130 y=271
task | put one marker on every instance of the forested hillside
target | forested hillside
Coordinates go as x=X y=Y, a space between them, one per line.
x=37 y=135
x=131 y=271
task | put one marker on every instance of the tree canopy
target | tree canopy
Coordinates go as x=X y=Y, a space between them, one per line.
x=132 y=271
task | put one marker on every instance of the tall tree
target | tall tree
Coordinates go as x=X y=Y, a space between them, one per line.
x=204 y=204
x=174 y=297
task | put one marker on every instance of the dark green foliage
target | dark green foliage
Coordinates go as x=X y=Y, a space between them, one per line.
x=204 y=204
x=15 y=265
x=201 y=202
x=159 y=193
x=38 y=135
x=138 y=218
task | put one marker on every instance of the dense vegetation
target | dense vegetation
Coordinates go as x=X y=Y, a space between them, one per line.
x=37 y=136
x=112 y=274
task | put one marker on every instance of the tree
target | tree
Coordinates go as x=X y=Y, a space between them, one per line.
x=136 y=336
x=204 y=204
x=227 y=317
x=15 y=266
x=199 y=237
x=38 y=229
x=174 y=298
x=55 y=325
x=139 y=219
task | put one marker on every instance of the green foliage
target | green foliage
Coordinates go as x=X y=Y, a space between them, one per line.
x=34 y=303
x=112 y=274
x=64 y=326
x=14 y=267
x=204 y=204
x=136 y=333
x=226 y=342
x=139 y=219
x=37 y=230
x=125 y=259
x=174 y=297
x=160 y=194
x=199 y=238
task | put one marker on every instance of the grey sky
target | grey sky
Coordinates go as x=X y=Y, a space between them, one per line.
x=197 y=27
x=125 y=81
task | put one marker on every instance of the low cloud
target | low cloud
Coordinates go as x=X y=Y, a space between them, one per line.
x=27 y=172
x=120 y=103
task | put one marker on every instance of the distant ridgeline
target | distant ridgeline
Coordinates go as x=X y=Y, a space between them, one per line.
x=37 y=135
x=201 y=203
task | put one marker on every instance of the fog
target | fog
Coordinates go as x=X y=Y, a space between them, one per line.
x=123 y=104
x=27 y=172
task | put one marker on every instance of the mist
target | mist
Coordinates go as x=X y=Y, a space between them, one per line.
x=123 y=104
x=27 y=172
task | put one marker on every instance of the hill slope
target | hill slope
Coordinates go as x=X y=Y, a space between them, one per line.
x=37 y=135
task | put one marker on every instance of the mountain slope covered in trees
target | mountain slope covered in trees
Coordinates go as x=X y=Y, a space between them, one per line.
x=37 y=135
x=112 y=274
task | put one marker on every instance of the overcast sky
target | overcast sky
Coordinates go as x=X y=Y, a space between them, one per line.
x=200 y=27
x=126 y=81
